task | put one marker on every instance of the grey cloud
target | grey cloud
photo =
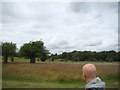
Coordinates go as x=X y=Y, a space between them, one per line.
x=59 y=29
x=33 y=32
x=118 y=43
x=119 y=18
x=61 y=45
x=8 y=9
x=85 y=7
x=40 y=25
x=104 y=6
x=95 y=43
x=0 y=13
x=80 y=7
x=53 y=46
x=10 y=13
x=119 y=7
x=98 y=16
x=58 y=44
x=21 y=13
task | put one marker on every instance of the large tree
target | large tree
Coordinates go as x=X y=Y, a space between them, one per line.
x=34 y=49
x=8 y=50
x=44 y=55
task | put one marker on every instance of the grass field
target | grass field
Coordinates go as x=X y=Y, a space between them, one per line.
x=22 y=74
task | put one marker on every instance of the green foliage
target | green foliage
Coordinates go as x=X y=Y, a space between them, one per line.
x=8 y=50
x=32 y=50
x=54 y=57
x=89 y=56
x=44 y=55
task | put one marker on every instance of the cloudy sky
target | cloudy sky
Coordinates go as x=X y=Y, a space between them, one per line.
x=63 y=26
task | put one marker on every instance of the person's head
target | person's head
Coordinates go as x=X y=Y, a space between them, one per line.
x=89 y=72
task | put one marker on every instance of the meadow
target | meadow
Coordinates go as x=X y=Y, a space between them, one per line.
x=22 y=74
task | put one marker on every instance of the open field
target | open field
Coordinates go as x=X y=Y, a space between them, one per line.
x=55 y=75
x=23 y=61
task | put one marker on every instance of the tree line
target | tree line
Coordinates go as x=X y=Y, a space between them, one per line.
x=108 y=56
x=36 y=49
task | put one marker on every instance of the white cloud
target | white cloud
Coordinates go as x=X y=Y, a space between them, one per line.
x=62 y=26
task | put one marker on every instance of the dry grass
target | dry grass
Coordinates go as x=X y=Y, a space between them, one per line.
x=55 y=72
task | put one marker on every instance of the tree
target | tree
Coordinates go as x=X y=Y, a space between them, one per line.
x=108 y=59
x=54 y=56
x=32 y=50
x=65 y=56
x=44 y=55
x=8 y=50
x=1 y=49
x=89 y=56
x=74 y=56
x=111 y=56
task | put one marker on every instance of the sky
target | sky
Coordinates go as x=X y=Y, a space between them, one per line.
x=62 y=26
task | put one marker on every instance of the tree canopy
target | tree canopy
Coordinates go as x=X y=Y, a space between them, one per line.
x=89 y=56
x=8 y=50
x=34 y=49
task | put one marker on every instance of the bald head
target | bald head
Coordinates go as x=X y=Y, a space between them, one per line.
x=89 y=71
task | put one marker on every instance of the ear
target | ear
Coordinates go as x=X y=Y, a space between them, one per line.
x=84 y=76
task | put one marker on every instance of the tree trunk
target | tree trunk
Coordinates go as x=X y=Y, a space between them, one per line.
x=38 y=59
x=32 y=60
x=5 y=59
x=52 y=60
x=12 y=59
x=66 y=60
